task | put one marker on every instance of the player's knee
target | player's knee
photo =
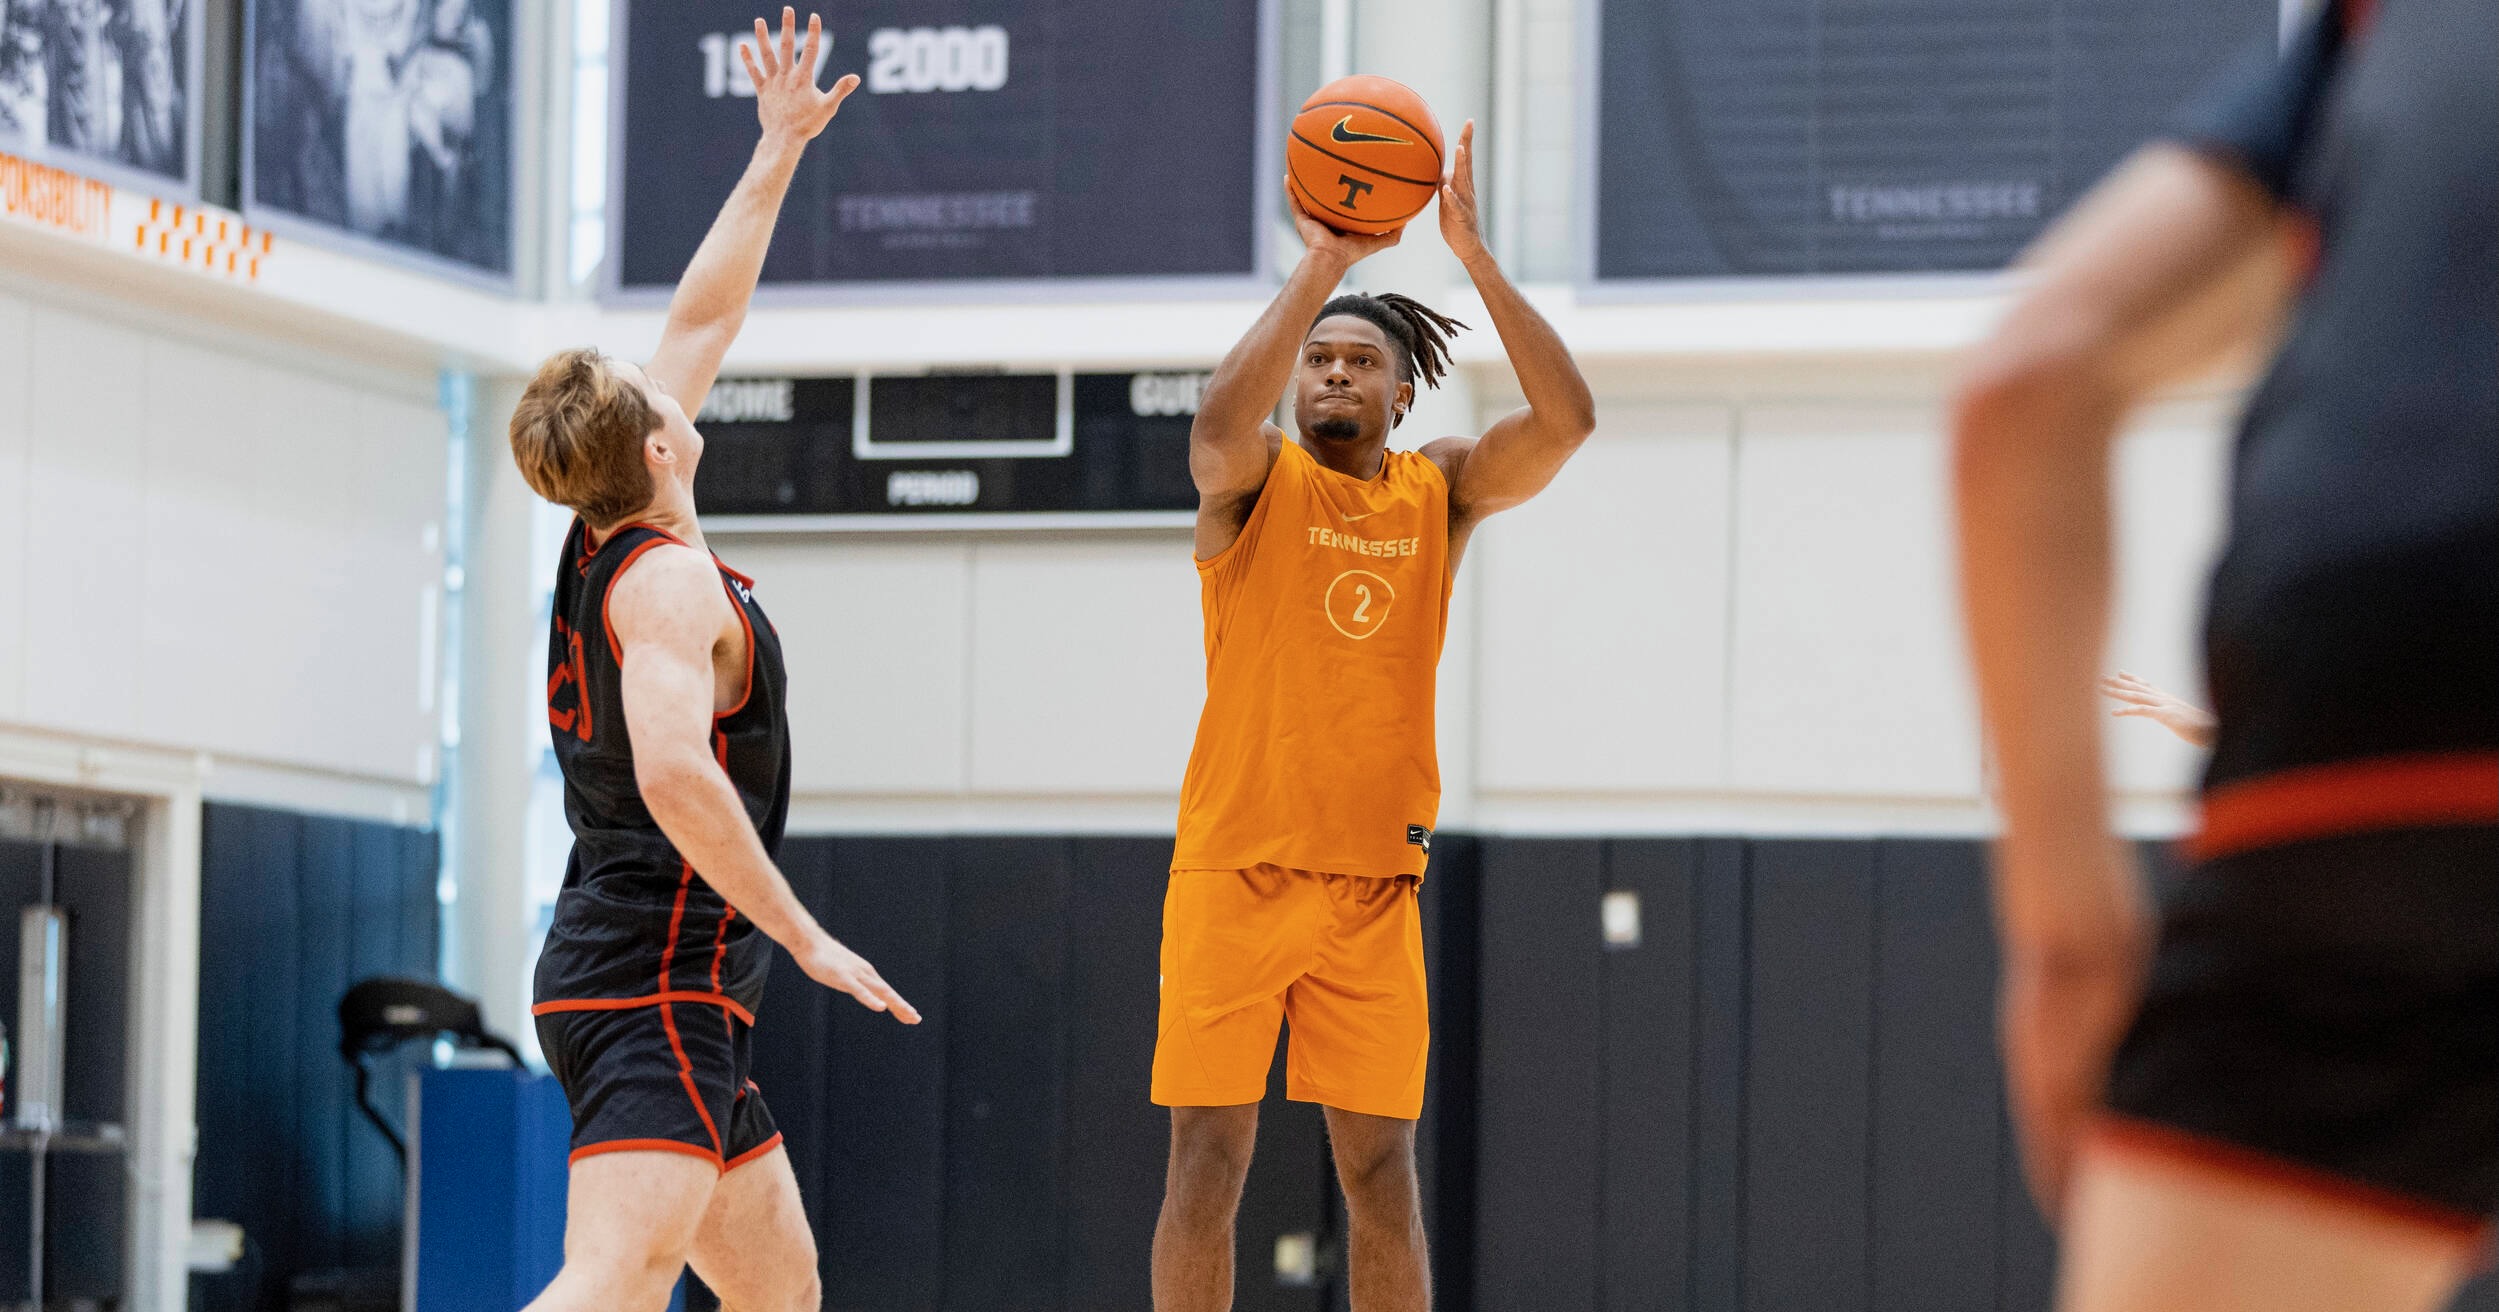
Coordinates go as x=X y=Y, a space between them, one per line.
x=640 y=1281
x=1215 y=1141
x=1378 y=1174
x=804 y=1293
x=1211 y=1163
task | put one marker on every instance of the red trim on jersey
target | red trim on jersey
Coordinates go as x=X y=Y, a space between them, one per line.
x=668 y=1011
x=751 y=1154
x=2348 y=797
x=644 y=1146
x=613 y=533
x=720 y=950
x=615 y=648
x=685 y=1074
x=690 y=996
x=749 y=626
x=2166 y=1145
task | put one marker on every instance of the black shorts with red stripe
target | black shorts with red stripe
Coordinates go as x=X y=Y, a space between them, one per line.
x=2322 y=1013
x=663 y=1074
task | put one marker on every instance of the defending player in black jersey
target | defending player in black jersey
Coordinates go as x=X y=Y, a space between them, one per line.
x=665 y=697
x=2303 y=1111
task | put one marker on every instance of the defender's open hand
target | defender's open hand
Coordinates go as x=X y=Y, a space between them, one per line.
x=828 y=963
x=2182 y=717
x=786 y=98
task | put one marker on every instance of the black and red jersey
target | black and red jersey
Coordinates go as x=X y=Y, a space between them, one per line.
x=636 y=923
x=2354 y=615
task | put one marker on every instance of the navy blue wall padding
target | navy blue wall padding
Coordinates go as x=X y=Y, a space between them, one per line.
x=1720 y=913
x=1785 y=1098
x=1808 y=1090
x=294 y=909
x=1938 y=1125
x=1003 y=1154
x=1796 y=1101
x=1645 y=1176
x=1007 y=943
x=1114 y=1159
x=1541 y=1076
x=1447 y=1136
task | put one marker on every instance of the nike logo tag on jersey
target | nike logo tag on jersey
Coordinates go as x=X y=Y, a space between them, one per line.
x=1344 y=131
x=1356 y=519
x=1420 y=837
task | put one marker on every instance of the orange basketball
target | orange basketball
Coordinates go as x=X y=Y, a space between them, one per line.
x=1365 y=154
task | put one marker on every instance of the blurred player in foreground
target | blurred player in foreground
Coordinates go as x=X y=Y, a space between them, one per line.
x=666 y=695
x=1306 y=818
x=2293 y=1101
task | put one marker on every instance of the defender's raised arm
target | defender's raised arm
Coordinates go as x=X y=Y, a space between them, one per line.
x=710 y=304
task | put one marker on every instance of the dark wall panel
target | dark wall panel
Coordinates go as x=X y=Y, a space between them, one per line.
x=1006 y=974
x=1288 y=1193
x=868 y=1125
x=376 y=898
x=1116 y=1140
x=1645 y=1205
x=1446 y=1136
x=1540 y=1076
x=1722 y=912
x=293 y=909
x=1938 y=1129
x=86 y=1194
x=1808 y=1105
x=792 y=1057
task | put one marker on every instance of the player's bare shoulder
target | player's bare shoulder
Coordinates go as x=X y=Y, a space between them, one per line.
x=1448 y=454
x=672 y=594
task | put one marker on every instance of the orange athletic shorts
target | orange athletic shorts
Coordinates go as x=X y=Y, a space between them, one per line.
x=1340 y=956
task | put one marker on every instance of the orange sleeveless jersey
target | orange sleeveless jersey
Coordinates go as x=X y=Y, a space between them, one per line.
x=1316 y=750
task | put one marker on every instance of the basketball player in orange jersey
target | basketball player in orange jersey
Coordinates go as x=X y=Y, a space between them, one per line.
x=1306 y=817
x=667 y=700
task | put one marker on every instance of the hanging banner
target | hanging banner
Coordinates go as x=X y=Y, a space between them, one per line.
x=104 y=86
x=995 y=140
x=387 y=123
x=1747 y=138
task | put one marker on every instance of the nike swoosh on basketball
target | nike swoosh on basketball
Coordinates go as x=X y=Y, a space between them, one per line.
x=1344 y=131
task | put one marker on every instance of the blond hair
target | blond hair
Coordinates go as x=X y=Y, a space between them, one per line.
x=577 y=436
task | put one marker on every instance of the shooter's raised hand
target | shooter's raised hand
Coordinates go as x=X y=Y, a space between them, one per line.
x=1461 y=225
x=1321 y=239
x=786 y=96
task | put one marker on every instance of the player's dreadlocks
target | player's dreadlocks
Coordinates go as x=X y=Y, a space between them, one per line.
x=1421 y=333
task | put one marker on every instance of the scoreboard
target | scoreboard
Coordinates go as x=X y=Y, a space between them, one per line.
x=937 y=448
